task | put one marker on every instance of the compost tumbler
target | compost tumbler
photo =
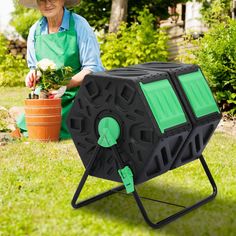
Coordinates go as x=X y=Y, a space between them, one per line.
x=130 y=125
x=198 y=102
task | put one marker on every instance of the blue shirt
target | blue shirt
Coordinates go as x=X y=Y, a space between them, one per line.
x=87 y=43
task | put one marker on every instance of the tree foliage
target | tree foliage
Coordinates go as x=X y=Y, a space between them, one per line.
x=215 y=11
x=96 y=12
x=23 y=19
x=139 y=43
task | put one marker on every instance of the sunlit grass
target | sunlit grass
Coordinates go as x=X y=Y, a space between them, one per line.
x=38 y=180
x=13 y=96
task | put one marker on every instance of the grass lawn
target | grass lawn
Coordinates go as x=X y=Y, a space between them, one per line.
x=38 y=180
x=13 y=96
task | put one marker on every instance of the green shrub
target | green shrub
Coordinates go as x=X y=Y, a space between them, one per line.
x=136 y=44
x=217 y=58
x=3 y=120
x=23 y=18
x=216 y=11
x=13 y=69
x=3 y=48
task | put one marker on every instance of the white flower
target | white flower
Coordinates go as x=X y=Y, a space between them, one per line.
x=46 y=64
x=38 y=73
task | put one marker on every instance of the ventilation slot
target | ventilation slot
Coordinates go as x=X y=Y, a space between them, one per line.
x=80 y=104
x=108 y=99
x=77 y=124
x=146 y=136
x=131 y=148
x=177 y=146
x=131 y=117
x=108 y=85
x=89 y=140
x=189 y=153
x=88 y=110
x=155 y=168
x=138 y=112
x=92 y=89
x=164 y=156
x=197 y=143
x=208 y=133
x=127 y=93
x=81 y=145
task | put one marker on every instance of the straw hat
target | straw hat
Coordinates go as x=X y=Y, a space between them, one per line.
x=33 y=3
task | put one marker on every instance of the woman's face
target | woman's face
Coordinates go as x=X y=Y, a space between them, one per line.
x=50 y=8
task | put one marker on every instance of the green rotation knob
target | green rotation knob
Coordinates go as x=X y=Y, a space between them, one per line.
x=109 y=131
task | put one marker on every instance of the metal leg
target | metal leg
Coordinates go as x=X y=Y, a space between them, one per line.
x=138 y=198
x=185 y=210
x=82 y=182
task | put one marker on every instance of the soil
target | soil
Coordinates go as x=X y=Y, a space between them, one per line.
x=227 y=125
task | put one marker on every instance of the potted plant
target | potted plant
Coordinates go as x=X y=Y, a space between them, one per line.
x=43 y=107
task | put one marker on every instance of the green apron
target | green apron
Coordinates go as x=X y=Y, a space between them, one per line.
x=61 y=48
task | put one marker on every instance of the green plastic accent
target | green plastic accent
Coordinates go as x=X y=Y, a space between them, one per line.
x=127 y=178
x=109 y=131
x=164 y=104
x=198 y=93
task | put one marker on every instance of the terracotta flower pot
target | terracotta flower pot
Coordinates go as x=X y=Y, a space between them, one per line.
x=43 y=119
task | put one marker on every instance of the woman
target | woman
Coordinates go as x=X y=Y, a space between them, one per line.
x=68 y=40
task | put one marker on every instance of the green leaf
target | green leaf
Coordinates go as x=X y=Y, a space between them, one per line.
x=134 y=44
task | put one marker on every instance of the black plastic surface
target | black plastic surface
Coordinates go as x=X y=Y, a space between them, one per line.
x=202 y=128
x=141 y=145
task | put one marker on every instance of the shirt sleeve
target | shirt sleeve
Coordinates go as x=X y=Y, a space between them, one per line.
x=89 y=50
x=31 y=56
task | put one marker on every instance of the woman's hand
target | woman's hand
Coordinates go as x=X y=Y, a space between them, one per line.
x=57 y=93
x=31 y=79
x=77 y=79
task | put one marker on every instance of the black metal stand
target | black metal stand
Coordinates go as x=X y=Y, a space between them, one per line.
x=138 y=198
